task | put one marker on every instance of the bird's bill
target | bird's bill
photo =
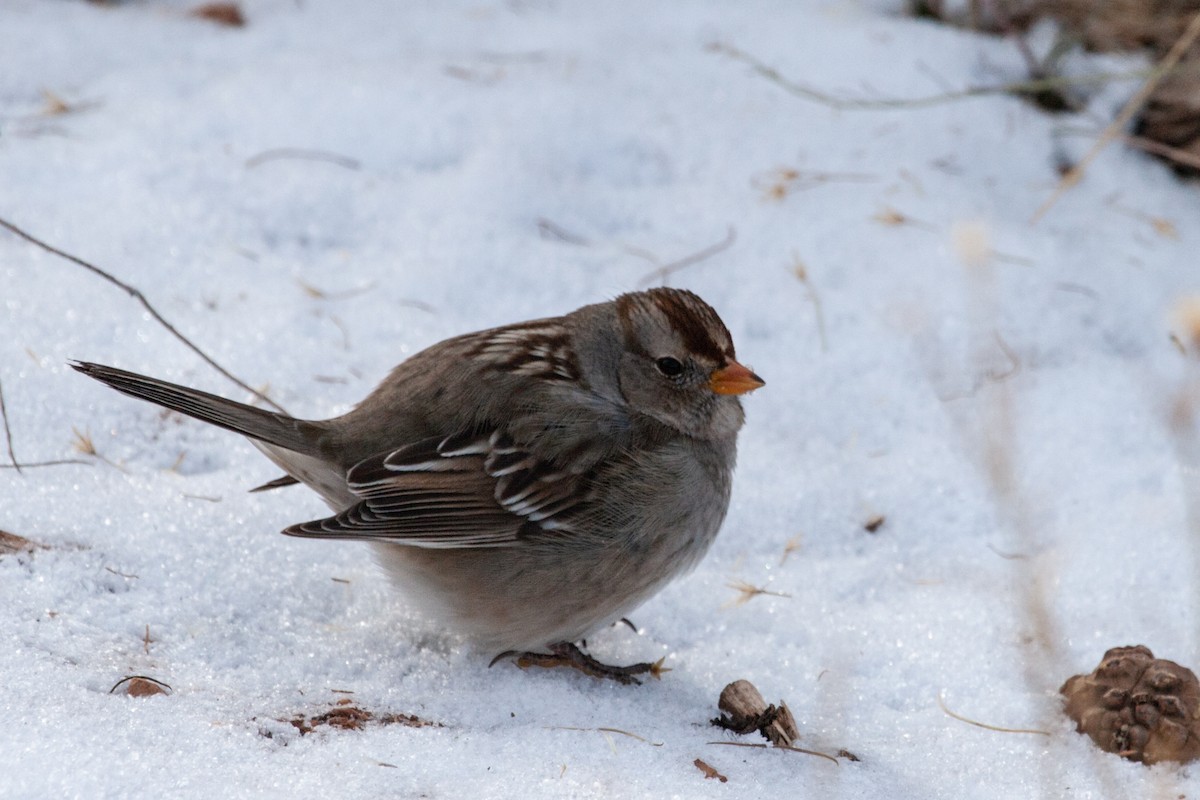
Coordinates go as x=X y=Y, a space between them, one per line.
x=734 y=379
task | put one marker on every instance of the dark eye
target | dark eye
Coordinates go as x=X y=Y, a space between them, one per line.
x=669 y=366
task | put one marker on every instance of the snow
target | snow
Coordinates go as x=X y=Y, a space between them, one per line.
x=1001 y=392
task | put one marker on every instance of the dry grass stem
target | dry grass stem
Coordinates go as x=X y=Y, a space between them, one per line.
x=301 y=154
x=788 y=747
x=801 y=273
x=1135 y=103
x=137 y=295
x=942 y=705
x=605 y=730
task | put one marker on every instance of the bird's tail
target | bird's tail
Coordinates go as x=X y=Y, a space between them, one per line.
x=298 y=436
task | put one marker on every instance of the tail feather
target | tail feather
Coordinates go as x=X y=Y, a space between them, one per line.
x=283 y=431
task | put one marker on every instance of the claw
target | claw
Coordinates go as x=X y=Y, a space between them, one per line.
x=657 y=669
x=505 y=654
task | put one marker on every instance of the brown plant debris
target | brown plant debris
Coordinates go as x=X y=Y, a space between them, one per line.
x=1140 y=707
x=140 y=686
x=1186 y=324
x=747 y=711
x=792 y=545
x=227 y=14
x=748 y=591
x=778 y=183
x=10 y=544
x=1171 y=116
x=348 y=717
x=874 y=523
x=709 y=771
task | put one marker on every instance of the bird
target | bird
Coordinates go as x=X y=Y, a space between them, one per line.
x=528 y=484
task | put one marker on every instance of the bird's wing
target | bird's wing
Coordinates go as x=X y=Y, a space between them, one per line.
x=464 y=491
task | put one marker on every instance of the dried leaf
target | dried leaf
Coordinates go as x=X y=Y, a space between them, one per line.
x=227 y=14
x=709 y=771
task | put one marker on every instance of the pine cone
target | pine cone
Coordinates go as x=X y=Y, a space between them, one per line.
x=1141 y=707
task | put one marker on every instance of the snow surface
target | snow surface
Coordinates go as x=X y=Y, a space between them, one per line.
x=938 y=332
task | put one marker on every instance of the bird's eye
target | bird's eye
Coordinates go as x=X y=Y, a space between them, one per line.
x=669 y=366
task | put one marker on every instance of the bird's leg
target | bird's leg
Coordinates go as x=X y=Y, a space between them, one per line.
x=565 y=654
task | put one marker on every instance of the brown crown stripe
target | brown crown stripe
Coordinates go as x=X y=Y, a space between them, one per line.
x=694 y=319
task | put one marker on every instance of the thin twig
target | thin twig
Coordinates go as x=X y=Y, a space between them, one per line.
x=888 y=103
x=1075 y=173
x=141 y=298
x=8 y=433
x=663 y=272
x=942 y=705
x=58 y=463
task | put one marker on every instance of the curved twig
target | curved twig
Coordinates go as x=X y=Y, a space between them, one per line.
x=141 y=298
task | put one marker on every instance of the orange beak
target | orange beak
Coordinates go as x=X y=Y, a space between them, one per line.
x=734 y=379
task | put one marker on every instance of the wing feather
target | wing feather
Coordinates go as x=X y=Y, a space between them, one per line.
x=469 y=490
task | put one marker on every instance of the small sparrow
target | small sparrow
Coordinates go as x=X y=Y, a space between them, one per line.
x=528 y=484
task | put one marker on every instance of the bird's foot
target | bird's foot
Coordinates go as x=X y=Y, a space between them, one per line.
x=565 y=654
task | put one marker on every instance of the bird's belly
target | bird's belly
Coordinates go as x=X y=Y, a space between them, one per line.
x=514 y=599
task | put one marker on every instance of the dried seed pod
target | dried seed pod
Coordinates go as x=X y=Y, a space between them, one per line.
x=747 y=711
x=140 y=686
x=1141 y=707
